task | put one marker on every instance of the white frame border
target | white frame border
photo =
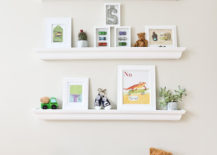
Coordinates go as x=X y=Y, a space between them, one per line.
x=120 y=105
x=80 y=106
x=108 y=36
x=119 y=13
x=67 y=32
x=128 y=35
x=174 y=34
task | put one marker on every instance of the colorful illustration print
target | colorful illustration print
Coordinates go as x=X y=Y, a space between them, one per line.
x=58 y=34
x=137 y=93
x=75 y=94
x=160 y=37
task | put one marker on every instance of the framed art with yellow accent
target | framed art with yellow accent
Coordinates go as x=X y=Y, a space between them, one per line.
x=136 y=87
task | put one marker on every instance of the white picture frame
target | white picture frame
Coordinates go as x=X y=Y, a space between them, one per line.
x=155 y=33
x=102 y=35
x=122 y=36
x=136 y=88
x=63 y=37
x=75 y=93
x=112 y=14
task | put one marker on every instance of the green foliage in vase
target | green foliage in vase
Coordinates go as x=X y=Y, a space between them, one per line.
x=82 y=35
x=167 y=96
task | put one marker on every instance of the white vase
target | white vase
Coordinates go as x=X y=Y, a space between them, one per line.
x=82 y=43
x=172 y=106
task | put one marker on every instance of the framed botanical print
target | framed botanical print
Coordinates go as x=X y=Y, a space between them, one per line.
x=112 y=14
x=136 y=88
x=58 y=32
x=161 y=36
x=75 y=93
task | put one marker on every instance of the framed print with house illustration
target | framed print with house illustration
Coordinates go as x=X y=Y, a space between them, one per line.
x=112 y=14
x=161 y=36
x=75 y=93
x=58 y=32
x=136 y=88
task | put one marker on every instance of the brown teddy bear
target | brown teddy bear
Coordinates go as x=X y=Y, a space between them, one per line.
x=154 y=151
x=141 y=42
x=45 y=100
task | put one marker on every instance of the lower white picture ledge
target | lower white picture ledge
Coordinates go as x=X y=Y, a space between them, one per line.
x=161 y=115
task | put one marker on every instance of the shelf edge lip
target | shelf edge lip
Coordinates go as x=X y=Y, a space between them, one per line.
x=111 y=112
x=110 y=49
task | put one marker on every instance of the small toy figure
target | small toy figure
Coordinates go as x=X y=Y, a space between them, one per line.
x=49 y=103
x=101 y=101
x=105 y=103
x=141 y=42
x=98 y=102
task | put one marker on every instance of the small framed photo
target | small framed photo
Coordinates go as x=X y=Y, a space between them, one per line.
x=75 y=93
x=136 y=88
x=161 y=36
x=58 y=32
x=112 y=14
x=123 y=36
x=102 y=37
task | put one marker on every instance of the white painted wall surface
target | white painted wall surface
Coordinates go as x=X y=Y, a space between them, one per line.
x=25 y=78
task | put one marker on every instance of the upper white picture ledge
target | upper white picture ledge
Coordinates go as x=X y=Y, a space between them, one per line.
x=92 y=53
x=87 y=0
x=115 y=115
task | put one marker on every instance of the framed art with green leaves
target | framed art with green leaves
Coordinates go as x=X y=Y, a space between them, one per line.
x=58 y=32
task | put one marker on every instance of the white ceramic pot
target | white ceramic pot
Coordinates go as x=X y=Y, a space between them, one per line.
x=172 y=106
x=82 y=43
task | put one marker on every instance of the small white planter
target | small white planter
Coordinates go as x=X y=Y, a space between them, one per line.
x=172 y=106
x=82 y=43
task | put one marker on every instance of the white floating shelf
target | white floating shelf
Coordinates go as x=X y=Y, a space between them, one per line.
x=91 y=53
x=60 y=114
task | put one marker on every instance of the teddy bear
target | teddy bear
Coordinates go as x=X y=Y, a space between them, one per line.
x=45 y=100
x=154 y=151
x=141 y=42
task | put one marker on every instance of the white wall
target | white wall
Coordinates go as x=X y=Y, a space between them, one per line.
x=25 y=78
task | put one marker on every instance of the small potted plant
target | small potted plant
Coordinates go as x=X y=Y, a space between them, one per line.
x=82 y=39
x=169 y=99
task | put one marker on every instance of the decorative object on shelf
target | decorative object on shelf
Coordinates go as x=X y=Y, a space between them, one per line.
x=112 y=13
x=49 y=103
x=58 y=32
x=136 y=88
x=154 y=151
x=169 y=99
x=101 y=101
x=123 y=36
x=75 y=93
x=161 y=36
x=102 y=37
x=82 y=39
x=141 y=42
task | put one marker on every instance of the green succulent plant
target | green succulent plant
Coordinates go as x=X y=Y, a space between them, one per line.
x=82 y=35
x=167 y=96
